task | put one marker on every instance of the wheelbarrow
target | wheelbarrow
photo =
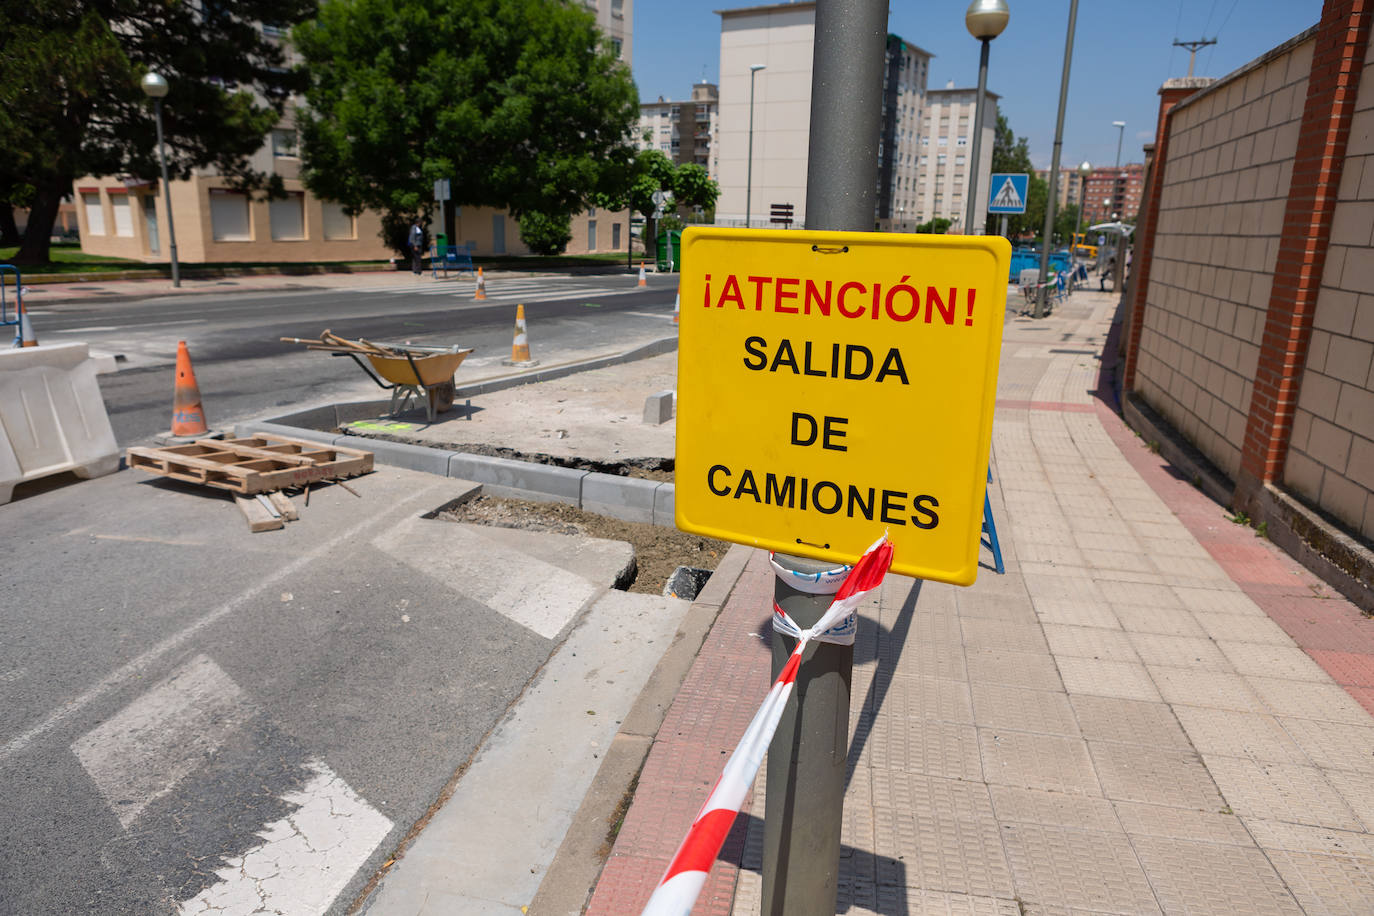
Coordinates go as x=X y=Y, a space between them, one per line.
x=408 y=371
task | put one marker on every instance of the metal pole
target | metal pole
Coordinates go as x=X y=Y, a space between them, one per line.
x=1041 y=300
x=1082 y=204
x=801 y=835
x=749 y=169
x=1002 y=225
x=167 y=193
x=1120 y=135
x=971 y=210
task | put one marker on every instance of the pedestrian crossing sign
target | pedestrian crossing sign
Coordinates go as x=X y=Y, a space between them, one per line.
x=1007 y=192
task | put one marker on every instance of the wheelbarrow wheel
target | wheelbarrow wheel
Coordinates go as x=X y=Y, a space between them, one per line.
x=441 y=396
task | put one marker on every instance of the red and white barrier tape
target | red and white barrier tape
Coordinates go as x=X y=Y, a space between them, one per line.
x=686 y=874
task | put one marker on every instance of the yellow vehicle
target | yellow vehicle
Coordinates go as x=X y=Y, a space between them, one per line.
x=1081 y=248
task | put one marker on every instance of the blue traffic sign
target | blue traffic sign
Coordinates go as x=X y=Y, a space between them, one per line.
x=1007 y=192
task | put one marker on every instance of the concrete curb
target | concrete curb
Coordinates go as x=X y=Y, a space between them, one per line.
x=629 y=499
x=568 y=884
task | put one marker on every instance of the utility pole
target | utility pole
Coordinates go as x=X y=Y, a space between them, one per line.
x=804 y=806
x=1043 y=294
x=1193 y=47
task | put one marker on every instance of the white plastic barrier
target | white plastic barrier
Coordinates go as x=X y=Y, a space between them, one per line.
x=52 y=418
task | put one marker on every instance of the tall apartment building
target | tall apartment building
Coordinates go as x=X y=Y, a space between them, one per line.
x=1114 y=191
x=683 y=131
x=946 y=145
x=904 y=94
x=1070 y=187
x=126 y=218
x=781 y=36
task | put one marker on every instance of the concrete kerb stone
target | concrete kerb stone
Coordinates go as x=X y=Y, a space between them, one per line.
x=629 y=499
x=242 y=430
x=518 y=479
x=664 y=504
x=577 y=865
x=412 y=457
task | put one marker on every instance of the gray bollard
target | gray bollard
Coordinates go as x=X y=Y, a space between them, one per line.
x=804 y=806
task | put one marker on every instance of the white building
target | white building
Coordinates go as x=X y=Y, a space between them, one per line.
x=946 y=145
x=918 y=125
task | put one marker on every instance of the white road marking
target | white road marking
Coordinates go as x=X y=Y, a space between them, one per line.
x=157 y=740
x=145 y=661
x=540 y=597
x=305 y=859
x=103 y=327
x=660 y=315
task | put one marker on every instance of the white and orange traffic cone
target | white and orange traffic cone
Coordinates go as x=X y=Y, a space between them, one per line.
x=642 y=280
x=26 y=338
x=677 y=302
x=481 y=286
x=520 y=348
x=188 y=417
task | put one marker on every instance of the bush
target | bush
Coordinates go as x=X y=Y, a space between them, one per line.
x=546 y=233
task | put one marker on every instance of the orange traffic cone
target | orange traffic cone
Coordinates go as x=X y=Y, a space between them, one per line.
x=481 y=286
x=677 y=302
x=520 y=348
x=642 y=280
x=26 y=329
x=188 y=417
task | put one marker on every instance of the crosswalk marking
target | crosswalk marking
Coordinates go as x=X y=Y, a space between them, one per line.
x=304 y=860
x=148 y=747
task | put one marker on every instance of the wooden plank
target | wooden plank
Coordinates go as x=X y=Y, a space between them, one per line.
x=284 y=505
x=259 y=519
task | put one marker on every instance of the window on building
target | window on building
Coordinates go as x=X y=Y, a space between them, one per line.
x=618 y=8
x=229 y=216
x=338 y=225
x=123 y=216
x=962 y=141
x=284 y=144
x=615 y=46
x=591 y=235
x=95 y=213
x=942 y=141
x=287 y=217
x=959 y=160
x=615 y=236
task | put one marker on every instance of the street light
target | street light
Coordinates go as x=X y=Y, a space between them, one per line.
x=985 y=20
x=749 y=171
x=1120 y=134
x=1085 y=169
x=155 y=87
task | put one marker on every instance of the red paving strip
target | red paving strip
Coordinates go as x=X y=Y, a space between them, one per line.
x=720 y=695
x=1326 y=626
x=1061 y=406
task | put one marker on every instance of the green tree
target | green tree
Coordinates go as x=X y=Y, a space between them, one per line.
x=1065 y=224
x=693 y=187
x=937 y=226
x=522 y=104
x=70 y=102
x=546 y=233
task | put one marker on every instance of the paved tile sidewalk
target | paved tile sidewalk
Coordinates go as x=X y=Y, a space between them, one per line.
x=1153 y=711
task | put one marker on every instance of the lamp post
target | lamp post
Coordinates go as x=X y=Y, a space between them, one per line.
x=1120 y=135
x=1085 y=169
x=749 y=170
x=155 y=87
x=985 y=20
x=1042 y=300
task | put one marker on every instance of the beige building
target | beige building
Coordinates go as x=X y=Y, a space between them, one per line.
x=923 y=145
x=1070 y=188
x=946 y=144
x=214 y=223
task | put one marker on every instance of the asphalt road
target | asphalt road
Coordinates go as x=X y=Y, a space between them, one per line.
x=186 y=708
x=243 y=370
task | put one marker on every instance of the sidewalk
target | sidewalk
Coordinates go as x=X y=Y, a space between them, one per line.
x=1153 y=711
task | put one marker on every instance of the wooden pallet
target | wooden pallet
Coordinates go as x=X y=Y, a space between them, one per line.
x=257 y=464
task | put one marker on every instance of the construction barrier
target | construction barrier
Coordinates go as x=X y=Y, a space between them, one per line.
x=52 y=418
x=682 y=882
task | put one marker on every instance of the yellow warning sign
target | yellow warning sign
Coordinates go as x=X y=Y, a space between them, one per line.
x=835 y=384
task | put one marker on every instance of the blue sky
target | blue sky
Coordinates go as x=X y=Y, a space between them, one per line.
x=1122 y=53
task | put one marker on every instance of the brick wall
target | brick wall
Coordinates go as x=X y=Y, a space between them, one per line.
x=1222 y=197
x=1330 y=459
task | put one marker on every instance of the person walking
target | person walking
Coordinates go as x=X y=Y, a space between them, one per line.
x=417 y=247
